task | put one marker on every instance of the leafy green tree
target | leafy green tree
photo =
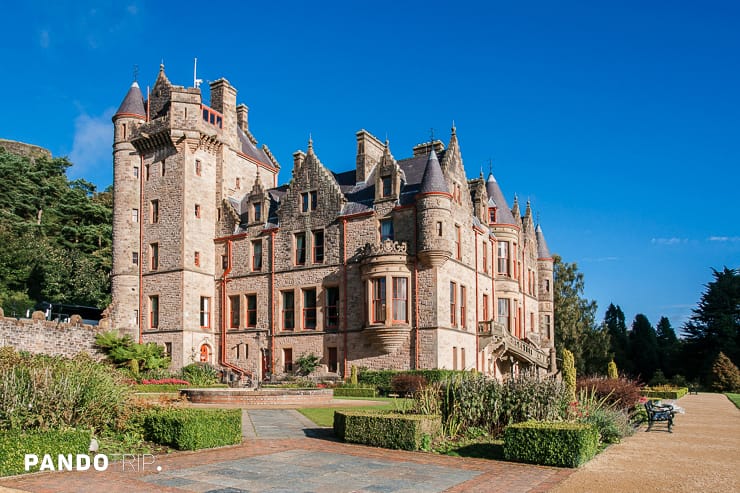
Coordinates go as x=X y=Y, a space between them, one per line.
x=644 y=346
x=595 y=354
x=574 y=318
x=714 y=326
x=619 y=342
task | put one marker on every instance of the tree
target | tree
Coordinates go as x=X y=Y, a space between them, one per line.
x=569 y=373
x=574 y=317
x=714 y=326
x=668 y=347
x=595 y=351
x=725 y=375
x=612 y=370
x=619 y=342
x=644 y=345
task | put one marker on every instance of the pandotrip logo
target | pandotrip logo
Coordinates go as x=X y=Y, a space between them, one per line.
x=84 y=462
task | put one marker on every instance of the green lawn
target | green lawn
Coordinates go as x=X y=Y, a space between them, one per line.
x=735 y=398
x=324 y=416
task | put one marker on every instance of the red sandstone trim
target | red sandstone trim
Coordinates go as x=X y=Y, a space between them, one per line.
x=128 y=115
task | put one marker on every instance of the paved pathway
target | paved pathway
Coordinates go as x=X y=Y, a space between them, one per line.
x=277 y=423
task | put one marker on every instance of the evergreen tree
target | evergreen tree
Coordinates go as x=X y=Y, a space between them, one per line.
x=714 y=326
x=725 y=375
x=619 y=342
x=595 y=355
x=574 y=315
x=668 y=347
x=644 y=345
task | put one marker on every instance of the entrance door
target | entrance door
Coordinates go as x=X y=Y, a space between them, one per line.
x=205 y=353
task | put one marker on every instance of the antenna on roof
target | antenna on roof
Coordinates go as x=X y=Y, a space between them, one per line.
x=196 y=81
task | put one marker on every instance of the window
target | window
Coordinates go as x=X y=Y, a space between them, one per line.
x=309 y=201
x=154 y=312
x=485 y=257
x=198 y=167
x=386 y=229
x=196 y=259
x=146 y=172
x=318 y=247
x=387 y=183
x=251 y=310
x=238 y=183
x=300 y=248
x=163 y=168
x=463 y=293
x=453 y=304
x=503 y=258
x=234 y=312
x=135 y=258
x=485 y=307
x=257 y=211
x=224 y=262
x=168 y=349
x=331 y=359
x=154 y=208
x=547 y=285
x=136 y=317
x=309 y=309
x=458 y=242
x=503 y=312
x=547 y=325
x=379 y=300
x=332 y=307
x=400 y=299
x=205 y=311
x=205 y=353
x=154 y=249
x=257 y=255
x=491 y=215
x=135 y=215
x=136 y=171
x=197 y=211
x=287 y=360
x=439 y=228
x=288 y=310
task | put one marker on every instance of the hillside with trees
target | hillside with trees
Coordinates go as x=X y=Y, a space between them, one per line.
x=56 y=235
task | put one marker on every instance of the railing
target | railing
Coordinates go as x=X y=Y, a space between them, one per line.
x=492 y=331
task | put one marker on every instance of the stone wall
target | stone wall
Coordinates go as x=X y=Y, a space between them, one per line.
x=45 y=337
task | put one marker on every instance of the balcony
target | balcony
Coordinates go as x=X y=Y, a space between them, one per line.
x=495 y=333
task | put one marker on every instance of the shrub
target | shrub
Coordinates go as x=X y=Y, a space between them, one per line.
x=15 y=444
x=612 y=423
x=353 y=375
x=44 y=392
x=381 y=379
x=664 y=392
x=193 y=429
x=355 y=392
x=569 y=373
x=123 y=351
x=725 y=375
x=659 y=378
x=307 y=363
x=199 y=374
x=611 y=370
x=388 y=430
x=551 y=443
x=406 y=384
x=165 y=381
x=621 y=392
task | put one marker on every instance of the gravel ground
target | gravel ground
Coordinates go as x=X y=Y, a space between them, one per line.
x=701 y=455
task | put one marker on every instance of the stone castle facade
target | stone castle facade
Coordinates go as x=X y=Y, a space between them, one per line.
x=397 y=264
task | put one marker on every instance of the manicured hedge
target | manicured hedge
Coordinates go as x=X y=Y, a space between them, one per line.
x=381 y=379
x=193 y=429
x=171 y=387
x=551 y=443
x=14 y=445
x=355 y=392
x=388 y=430
x=664 y=394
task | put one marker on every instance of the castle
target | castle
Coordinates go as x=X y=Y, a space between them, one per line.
x=400 y=264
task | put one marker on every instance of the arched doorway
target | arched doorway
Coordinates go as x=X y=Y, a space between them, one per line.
x=205 y=353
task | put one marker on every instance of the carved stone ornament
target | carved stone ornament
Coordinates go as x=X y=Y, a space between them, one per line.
x=385 y=247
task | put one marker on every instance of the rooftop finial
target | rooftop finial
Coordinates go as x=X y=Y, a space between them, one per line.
x=136 y=73
x=161 y=65
x=454 y=130
x=310 y=143
x=490 y=166
x=431 y=131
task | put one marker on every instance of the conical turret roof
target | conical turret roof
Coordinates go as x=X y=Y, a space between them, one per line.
x=133 y=103
x=494 y=193
x=433 y=180
x=542 y=250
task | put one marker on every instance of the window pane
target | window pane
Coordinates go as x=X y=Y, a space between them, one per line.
x=300 y=248
x=386 y=229
x=309 y=308
x=332 y=308
x=288 y=314
x=400 y=299
x=235 y=312
x=379 y=300
x=257 y=255
x=252 y=310
x=318 y=246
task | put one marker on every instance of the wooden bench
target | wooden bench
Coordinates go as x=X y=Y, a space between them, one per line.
x=658 y=413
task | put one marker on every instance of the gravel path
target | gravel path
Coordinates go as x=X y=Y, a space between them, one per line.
x=702 y=454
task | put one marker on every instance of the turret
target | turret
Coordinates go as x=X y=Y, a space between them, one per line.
x=545 y=295
x=126 y=212
x=434 y=215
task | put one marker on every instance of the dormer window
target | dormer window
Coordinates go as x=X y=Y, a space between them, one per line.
x=309 y=201
x=491 y=215
x=387 y=186
x=257 y=211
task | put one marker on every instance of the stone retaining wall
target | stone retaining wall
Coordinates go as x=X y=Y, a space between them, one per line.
x=265 y=397
x=45 y=337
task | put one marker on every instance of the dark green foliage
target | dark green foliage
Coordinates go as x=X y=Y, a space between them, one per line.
x=669 y=347
x=725 y=375
x=569 y=373
x=381 y=379
x=387 y=430
x=619 y=341
x=307 y=363
x=123 y=351
x=43 y=392
x=714 y=326
x=193 y=429
x=551 y=443
x=621 y=393
x=15 y=444
x=664 y=393
x=644 y=346
x=56 y=235
x=200 y=374
x=355 y=392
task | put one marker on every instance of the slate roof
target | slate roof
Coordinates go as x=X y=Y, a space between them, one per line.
x=542 y=250
x=433 y=180
x=133 y=103
x=504 y=214
x=251 y=150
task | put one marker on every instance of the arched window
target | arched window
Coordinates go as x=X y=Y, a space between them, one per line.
x=205 y=353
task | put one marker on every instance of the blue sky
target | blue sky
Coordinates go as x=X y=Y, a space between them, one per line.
x=619 y=121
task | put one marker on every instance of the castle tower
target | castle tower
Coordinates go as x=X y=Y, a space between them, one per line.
x=545 y=296
x=127 y=213
x=433 y=206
